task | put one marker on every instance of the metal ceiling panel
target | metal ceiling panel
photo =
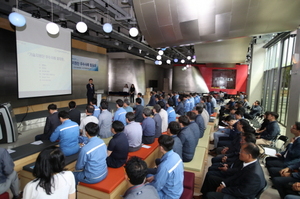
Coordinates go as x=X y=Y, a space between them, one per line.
x=223 y=6
x=168 y=33
x=163 y=13
x=223 y=24
x=188 y=29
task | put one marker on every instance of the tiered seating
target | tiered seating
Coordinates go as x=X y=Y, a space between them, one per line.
x=112 y=187
x=148 y=154
x=5 y=195
x=188 y=185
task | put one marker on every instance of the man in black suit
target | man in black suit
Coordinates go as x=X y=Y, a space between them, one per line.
x=139 y=110
x=74 y=113
x=289 y=157
x=52 y=122
x=90 y=91
x=245 y=183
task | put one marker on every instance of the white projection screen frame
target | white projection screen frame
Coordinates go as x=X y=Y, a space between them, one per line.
x=44 y=60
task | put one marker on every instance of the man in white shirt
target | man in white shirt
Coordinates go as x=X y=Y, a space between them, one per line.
x=164 y=117
x=89 y=110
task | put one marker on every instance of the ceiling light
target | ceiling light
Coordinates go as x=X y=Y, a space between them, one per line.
x=130 y=47
x=189 y=57
x=182 y=61
x=193 y=60
x=156 y=62
x=17 y=19
x=168 y=61
x=158 y=57
x=107 y=27
x=81 y=27
x=52 y=28
x=160 y=52
x=140 y=51
x=159 y=62
x=133 y=32
x=175 y=60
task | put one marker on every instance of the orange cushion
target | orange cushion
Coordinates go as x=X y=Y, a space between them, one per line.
x=214 y=114
x=165 y=133
x=143 y=153
x=112 y=180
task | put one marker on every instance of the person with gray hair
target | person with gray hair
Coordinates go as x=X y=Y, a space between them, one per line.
x=127 y=106
x=148 y=126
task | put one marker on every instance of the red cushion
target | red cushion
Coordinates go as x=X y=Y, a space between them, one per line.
x=214 y=114
x=187 y=194
x=5 y=195
x=112 y=180
x=189 y=179
x=143 y=153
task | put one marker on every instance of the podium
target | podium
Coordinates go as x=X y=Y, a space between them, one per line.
x=99 y=96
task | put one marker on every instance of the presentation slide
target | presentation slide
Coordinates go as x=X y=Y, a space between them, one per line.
x=44 y=60
x=42 y=70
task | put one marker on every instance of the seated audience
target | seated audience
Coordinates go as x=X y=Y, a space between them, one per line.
x=92 y=158
x=186 y=102
x=136 y=170
x=105 y=120
x=97 y=110
x=204 y=113
x=245 y=183
x=271 y=132
x=117 y=149
x=187 y=138
x=265 y=123
x=287 y=158
x=127 y=106
x=171 y=111
x=8 y=176
x=67 y=133
x=139 y=95
x=246 y=104
x=89 y=110
x=148 y=126
x=74 y=113
x=168 y=179
x=158 y=121
x=133 y=132
x=52 y=180
x=254 y=111
x=173 y=130
x=120 y=114
x=200 y=121
x=164 y=117
x=52 y=122
x=138 y=111
x=180 y=110
x=193 y=125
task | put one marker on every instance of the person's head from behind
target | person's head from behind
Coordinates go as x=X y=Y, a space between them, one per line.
x=138 y=101
x=49 y=162
x=161 y=104
x=72 y=104
x=180 y=98
x=136 y=170
x=229 y=120
x=191 y=115
x=242 y=124
x=126 y=103
x=146 y=112
x=63 y=115
x=139 y=95
x=156 y=108
x=266 y=114
x=199 y=109
x=94 y=101
x=119 y=103
x=248 y=138
x=173 y=128
x=117 y=127
x=166 y=143
x=249 y=152
x=130 y=117
x=52 y=108
x=104 y=105
x=92 y=129
x=273 y=116
x=184 y=120
x=170 y=103
x=89 y=109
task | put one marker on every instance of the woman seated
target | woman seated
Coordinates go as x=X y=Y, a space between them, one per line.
x=52 y=181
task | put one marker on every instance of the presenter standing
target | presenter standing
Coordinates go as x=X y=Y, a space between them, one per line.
x=90 y=91
x=132 y=91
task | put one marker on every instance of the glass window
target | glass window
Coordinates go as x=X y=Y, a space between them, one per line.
x=290 y=51
x=284 y=52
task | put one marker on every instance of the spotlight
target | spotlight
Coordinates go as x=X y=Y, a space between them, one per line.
x=188 y=57
x=156 y=62
x=168 y=61
x=159 y=62
x=107 y=27
x=158 y=57
x=140 y=51
x=160 y=52
x=133 y=32
x=175 y=60
x=52 y=28
x=193 y=60
x=182 y=61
